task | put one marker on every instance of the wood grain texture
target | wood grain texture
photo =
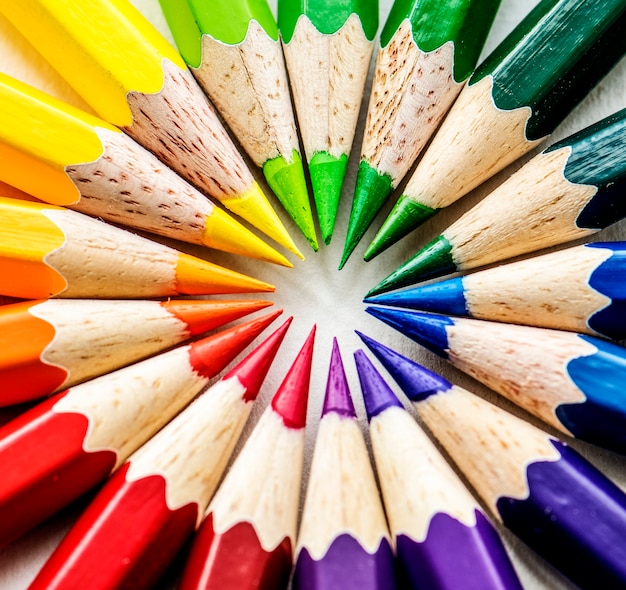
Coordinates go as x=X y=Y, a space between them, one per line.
x=412 y=90
x=342 y=496
x=551 y=291
x=491 y=447
x=475 y=141
x=248 y=84
x=535 y=208
x=525 y=364
x=327 y=75
x=416 y=480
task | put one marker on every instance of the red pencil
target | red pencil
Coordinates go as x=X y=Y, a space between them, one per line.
x=62 y=447
x=49 y=345
x=144 y=513
x=247 y=538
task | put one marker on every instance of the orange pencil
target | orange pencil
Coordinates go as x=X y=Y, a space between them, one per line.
x=53 y=344
x=48 y=251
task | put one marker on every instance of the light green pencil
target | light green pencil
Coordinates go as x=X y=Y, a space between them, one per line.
x=232 y=48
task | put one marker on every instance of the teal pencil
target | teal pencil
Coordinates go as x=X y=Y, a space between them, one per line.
x=569 y=191
x=513 y=101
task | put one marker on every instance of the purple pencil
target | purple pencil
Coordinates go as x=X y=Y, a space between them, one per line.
x=443 y=539
x=541 y=489
x=344 y=540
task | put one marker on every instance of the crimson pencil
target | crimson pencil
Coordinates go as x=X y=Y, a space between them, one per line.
x=144 y=513
x=246 y=539
x=65 y=445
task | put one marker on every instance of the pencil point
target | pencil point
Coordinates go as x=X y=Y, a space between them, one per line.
x=291 y=398
x=195 y=276
x=287 y=181
x=426 y=329
x=211 y=355
x=406 y=216
x=225 y=233
x=252 y=370
x=370 y=194
x=201 y=315
x=434 y=260
x=254 y=207
x=444 y=297
x=417 y=382
x=327 y=175
x=377 y=395
x=337 y=398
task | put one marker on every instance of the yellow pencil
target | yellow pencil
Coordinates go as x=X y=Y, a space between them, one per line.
x=65 y=156
x=48 y=251
x=134 y=79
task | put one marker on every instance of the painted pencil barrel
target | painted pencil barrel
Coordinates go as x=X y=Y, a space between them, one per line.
x=556 y=501
x=49 y=345
x=579 y=289
x=443 y=539
x=343 y=540
x=570 y=381
x=134 y=79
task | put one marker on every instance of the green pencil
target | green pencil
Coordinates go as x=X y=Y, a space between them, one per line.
x=328 y=47
x=571 y=190
x=428 y=50
x=513 y=101
x=233 y=50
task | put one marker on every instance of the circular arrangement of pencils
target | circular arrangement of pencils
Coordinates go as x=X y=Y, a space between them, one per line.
x=170 y=167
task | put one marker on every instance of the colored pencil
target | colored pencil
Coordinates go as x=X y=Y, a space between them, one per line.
x=427 y=51
x=571 y=190
x=149 y=507
x=443 y=538
x=64 y=156
x=134 y=79
x=513 y=101
x=65 y=445
x=246 y=538
x=544 y=491
x=328 y=47
x=53 y=344
x=343 y=540
x=233 y=50
x=580 y=289
x=571 y=381
x=48 y=251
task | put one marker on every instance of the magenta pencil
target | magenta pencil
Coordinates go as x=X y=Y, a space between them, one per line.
x=246 y=540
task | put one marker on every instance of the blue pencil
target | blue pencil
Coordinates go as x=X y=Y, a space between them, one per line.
x=573 y=382
x=443 y=539
x=582 y=289
x=541 y=489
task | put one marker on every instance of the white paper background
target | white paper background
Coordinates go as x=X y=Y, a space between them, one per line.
x=315 y=292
